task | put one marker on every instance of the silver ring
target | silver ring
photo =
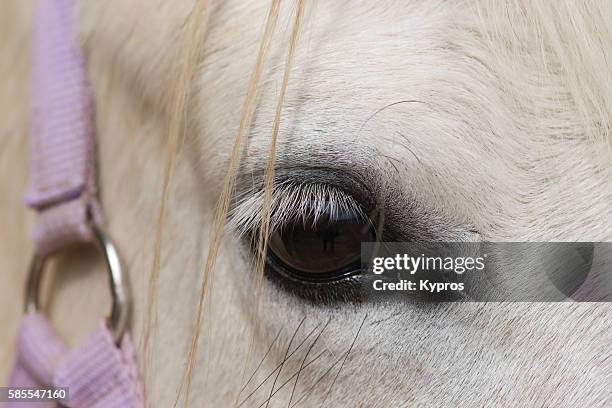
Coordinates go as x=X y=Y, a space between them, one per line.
x=118 y=319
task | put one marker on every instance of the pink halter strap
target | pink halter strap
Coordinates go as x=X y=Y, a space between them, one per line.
x=97 y=374
x=102 y=371
x=62 y=186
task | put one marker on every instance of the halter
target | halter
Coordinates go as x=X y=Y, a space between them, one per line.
x=102 y=371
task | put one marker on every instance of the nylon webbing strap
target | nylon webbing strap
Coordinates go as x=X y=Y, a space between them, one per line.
x=63 y=181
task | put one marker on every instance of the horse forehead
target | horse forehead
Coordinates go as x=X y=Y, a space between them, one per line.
x=350 y=62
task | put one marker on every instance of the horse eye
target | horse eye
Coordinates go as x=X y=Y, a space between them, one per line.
x=321 y=249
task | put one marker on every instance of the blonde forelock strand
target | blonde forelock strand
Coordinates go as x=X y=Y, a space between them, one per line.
x=192 y=37
x=223 y=203
x=268 y=186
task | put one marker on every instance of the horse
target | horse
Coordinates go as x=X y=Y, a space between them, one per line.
x=218 y=123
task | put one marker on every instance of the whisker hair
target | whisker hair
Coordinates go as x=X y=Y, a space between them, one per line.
x=311 y=388
x=279 y=365
x=343 y=361
x=262 y=360
x=304 y=360
x=291 y=378
x=285 y=357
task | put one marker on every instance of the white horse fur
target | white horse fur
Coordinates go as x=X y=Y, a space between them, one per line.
x=510 y=138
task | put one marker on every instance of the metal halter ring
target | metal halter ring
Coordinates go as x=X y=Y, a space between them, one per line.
x=119 y=315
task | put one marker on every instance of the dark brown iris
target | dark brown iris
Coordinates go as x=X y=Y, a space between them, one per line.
x=322 y=249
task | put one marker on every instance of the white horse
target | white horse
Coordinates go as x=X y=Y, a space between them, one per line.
x=463 y=117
